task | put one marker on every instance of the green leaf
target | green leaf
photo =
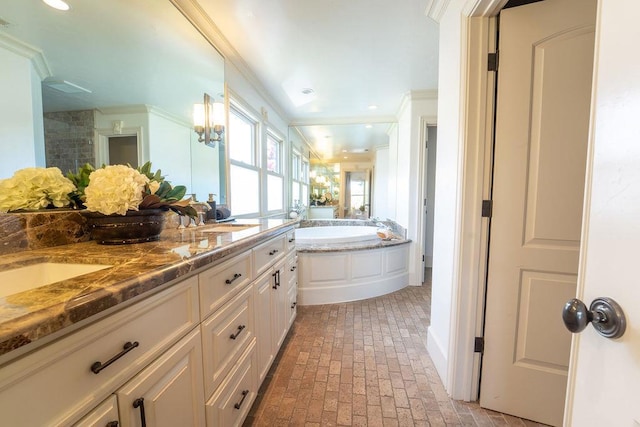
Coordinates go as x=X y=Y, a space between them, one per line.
x=177 y=193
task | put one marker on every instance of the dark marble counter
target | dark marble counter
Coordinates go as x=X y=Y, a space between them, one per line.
x=51 y=310
x=344 y=247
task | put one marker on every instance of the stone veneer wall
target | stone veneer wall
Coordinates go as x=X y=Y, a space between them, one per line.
x=68 y=138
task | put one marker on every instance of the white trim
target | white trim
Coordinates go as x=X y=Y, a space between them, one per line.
x=461 y=373
x=436 y=8
x=436 y=352
x=344 y=121
x=101 y=147
x=35 y=55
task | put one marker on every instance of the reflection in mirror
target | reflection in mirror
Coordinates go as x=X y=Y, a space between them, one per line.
x=107 y=82
x=342 y=160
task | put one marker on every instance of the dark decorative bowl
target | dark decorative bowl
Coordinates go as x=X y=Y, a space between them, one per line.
x=134 y=227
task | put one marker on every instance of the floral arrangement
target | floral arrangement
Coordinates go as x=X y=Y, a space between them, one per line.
x=35 y=188
x=109 y=190
x=321 y=199
x=116 y=189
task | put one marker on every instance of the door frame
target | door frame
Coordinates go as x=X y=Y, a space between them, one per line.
x=462 y=375
x=102 y=135
x=477 y=86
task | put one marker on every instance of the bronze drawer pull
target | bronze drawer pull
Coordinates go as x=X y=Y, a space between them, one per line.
x=235 y=276
x=139 y=403
x=293 y=305
x=244 y=395
x=234 y=336
x=273 y=252
x=112 y=424
x=293 y=268
x=99 y=366
x=291 y=240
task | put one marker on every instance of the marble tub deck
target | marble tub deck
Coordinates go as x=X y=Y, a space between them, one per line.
x=398 y=237
x=43 y=313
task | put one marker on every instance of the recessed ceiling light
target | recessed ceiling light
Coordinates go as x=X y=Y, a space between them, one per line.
x=345 y=157
x=373 y=107
x=344 y=151
x=57 y=4
x=368 y=126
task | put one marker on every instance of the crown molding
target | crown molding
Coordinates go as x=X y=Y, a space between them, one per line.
x=35 y=55
x=343 y=121
x=192 y=10
x=144 y=109
x=436 y=8
x=416 y=95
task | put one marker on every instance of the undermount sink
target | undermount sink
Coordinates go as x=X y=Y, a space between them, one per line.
x=36 y=275
x=226 y=228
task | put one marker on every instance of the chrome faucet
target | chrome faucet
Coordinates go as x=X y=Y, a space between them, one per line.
x=201 y=209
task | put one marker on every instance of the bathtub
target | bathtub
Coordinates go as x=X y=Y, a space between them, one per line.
x=336 y=234
x=348 y=263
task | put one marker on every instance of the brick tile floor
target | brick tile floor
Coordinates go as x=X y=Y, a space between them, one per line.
x=363 y=364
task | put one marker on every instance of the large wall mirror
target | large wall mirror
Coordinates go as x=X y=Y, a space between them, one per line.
x=107 y=82
x=342 y=161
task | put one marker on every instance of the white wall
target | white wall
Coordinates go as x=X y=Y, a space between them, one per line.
x=417 y=108
x=170 y=150
x=21 y=96
x=448 y=184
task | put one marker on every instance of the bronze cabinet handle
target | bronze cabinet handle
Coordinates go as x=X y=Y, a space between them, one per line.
x=99 y=366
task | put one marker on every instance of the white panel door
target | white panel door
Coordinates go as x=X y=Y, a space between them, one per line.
x=605 y=373
x=542 y=124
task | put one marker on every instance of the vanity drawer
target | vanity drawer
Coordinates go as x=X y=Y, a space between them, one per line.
x=102 y=415
x=266 y=254
x=291 y=240
x=221 y=282
x=230 y=404
x=58 y=379
x=224 y=337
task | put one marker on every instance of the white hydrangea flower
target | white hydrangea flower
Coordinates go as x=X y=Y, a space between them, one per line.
x=115 y=189
x=35 y=188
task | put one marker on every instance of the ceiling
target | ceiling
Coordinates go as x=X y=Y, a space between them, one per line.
x=352 y=54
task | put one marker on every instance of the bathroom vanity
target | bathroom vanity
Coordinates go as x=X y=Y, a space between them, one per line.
x=176 y=332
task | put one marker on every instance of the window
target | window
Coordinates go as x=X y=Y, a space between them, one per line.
x=275 y=176
x=256 y=169
x=244 y=174
x=299 y=179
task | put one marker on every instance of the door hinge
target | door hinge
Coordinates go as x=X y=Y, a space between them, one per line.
x=478 y=345
x=492 y=62
x=487 y=208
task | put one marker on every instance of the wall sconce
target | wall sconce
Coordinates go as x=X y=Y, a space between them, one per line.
x=208 y=121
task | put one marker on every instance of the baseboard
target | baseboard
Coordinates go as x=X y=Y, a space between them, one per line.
x=438 y=355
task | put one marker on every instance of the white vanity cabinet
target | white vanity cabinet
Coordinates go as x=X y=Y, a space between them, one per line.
x=193 y=354
x=61 y=382
x=168 y=392
x=103 y=415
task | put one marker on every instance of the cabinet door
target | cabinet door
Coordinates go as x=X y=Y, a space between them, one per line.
x=263 y=288
x=293 y=304
x=103 y=415
x=279 y=304
x=169 y=392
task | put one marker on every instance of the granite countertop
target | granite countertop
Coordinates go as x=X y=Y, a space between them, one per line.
x=136 y=269
x=343 y=247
